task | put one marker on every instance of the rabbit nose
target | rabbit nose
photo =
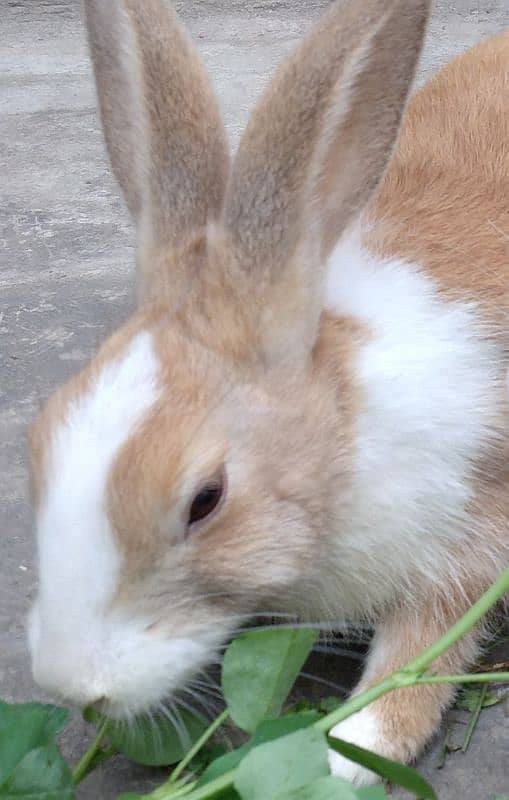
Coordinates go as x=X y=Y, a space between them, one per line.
x=68 y=675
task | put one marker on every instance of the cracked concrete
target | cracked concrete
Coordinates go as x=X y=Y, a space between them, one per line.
x=66 y=256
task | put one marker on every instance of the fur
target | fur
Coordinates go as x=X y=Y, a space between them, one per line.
x=361 y=729
x=78 y=555
x=325 y=323
x=431 y=395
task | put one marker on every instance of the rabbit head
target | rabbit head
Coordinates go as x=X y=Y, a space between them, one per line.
x=187 y=477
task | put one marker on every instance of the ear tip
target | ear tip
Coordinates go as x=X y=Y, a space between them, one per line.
x=418 y=11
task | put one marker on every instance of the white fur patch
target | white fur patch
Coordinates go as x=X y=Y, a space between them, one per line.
x=363 y=730
x=428 y=390
x=78 y=556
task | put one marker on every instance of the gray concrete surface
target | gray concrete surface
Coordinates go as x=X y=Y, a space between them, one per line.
x=66 y=254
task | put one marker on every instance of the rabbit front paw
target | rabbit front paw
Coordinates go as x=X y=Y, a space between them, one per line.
x=362 y=729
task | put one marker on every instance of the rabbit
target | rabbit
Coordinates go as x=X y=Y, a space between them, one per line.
x=308 y=410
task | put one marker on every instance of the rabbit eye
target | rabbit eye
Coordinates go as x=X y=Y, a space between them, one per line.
x=206 y=501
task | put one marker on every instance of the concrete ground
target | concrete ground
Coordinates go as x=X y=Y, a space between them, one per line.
x=66 y=254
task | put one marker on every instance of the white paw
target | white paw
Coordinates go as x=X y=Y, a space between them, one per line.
x=361 y=729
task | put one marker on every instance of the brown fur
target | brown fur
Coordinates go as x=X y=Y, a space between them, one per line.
x=154 y=465
x=410 y=716
x=443 y=204
x=255 y=376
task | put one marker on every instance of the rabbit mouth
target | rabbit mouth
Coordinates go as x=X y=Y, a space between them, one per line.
x=117 y=666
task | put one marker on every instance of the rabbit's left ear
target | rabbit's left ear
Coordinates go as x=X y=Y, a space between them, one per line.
x=164 y=133
x=314 y=150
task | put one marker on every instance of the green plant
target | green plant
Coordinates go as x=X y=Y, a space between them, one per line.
x=285 y=757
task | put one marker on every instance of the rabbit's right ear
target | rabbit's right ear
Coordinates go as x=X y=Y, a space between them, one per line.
x=163 y=130
x=313 y=153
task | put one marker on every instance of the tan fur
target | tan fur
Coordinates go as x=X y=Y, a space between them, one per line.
x=254 y=376
x=443 y=204
x=151 y=469
x=409 y=717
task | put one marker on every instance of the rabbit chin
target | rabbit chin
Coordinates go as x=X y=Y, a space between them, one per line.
x=123 y=665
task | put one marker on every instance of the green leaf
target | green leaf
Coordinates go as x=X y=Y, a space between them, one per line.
x=280 y=766
x=206 y=756
x=334 y=788
x=24 y=726
x=267 y=731
x=271 y=729
x=302 y=705
x=259 y=670
x=152 y=742
x=328 y=788
x=224 y=764
x=400 y=774
x=129 y=796
x=371 y=793
x=329 y=704
x=41 y=775
x=469 y=697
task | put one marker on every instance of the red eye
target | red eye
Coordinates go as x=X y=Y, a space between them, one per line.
x=206 y=501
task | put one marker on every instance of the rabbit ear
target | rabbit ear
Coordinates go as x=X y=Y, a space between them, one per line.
x=315 y=149
x=163 y=129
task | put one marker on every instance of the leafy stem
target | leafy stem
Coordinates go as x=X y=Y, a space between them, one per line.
x=463 y=625
x=474 y=718
x=82 y=767
x=181 y=766
x=415 y=671
x=480 y=677
x=411 y=674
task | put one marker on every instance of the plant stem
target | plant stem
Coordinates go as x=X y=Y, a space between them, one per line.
x=198 y=746
x=209 y=790
x=462 y=626
x=412 y=673
x=81 y=768
x=446 y=748
x=400 y=680
x=480 y=677
x=358 y=702
x=169 y=791
x=473 y=718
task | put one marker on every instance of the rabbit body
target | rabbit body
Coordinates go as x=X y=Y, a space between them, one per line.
x=435 y=238
x=308 y=411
